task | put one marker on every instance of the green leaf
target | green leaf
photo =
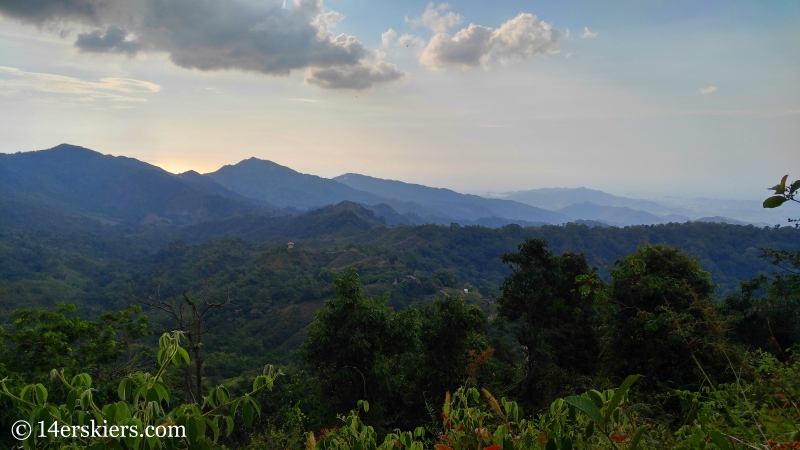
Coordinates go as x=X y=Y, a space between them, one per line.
x=72 y=398
x=161 y=389
x=794 y=187
x=184 y=354
x=191 y=430
x=124 y=389
x=228 y=425
x=551 y=444
x=637 y=437
x=589 y=408
x=719 y=440
x=596 y=397
x=782 y=186
x=589 y=431
x=619 y=394
x=247 y=413
x=41 y=393
x=774 y=201
x=214 y=429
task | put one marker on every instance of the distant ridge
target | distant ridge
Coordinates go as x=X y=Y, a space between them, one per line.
x=557 y=198
x=451 y=203
x=111 y=189
x=266 y=181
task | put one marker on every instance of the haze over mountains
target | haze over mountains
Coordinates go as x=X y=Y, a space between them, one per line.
x=76 y=185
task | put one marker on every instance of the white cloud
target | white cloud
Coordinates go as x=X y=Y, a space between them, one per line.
x=15 y=82
x=588 y=34
x=707 y=90
x=432 y=18
x=519 y=38
x=387 y=37
x=414 y=42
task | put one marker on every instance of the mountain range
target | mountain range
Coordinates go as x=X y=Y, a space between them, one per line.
x=71 y=186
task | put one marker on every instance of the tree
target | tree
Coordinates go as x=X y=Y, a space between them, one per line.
x=350 y=343
x=552 y=319
x=189 y=316
x=41 y=340
x=661 y=322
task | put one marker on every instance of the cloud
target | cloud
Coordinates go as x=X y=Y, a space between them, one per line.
x=519 y=38
x=588 y=34
x=707 y=90
x=113 y=41
x=414 y=42
x=41 y=11
x=261 y=36
x=387 y=37
x=15 y=82
x=358 y=77
x=741 y=113
x=433 y=19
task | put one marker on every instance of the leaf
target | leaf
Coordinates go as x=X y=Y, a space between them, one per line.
x=161 y=389
x=191 y=430
x=782 y=186
x=589 y=408
x=794 y=187
x=551 y=445
x=124 y=389
x=184 y=354
x=637 y=437
x=619 y=394
x=774 y=201
x=719 y=440
x=596 y=397
x=589 y=431
x=247 y=413
x=41 y=393
x=72 y=398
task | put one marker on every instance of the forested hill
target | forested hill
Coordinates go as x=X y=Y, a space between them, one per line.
x=275 y=291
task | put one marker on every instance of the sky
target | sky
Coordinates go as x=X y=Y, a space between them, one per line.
x=638 y=98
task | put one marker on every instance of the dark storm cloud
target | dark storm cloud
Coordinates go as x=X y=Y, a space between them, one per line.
x=354 y=77
x=41 y=11
x=112 y=41
x=249 y=35
x=246 y=35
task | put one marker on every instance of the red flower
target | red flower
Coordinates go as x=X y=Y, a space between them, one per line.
x=619 y=438
x=322 y=431
x=445 y=438
x=494 y=447
x=461 y=427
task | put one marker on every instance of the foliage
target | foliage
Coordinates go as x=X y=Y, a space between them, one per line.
x=758 y=410
x=359 y=348
x=144 y=399
x=552 y=319
x=660 y=320
x=40 y=339
x=784 y=193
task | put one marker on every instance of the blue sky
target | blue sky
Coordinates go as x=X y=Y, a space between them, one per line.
x=643 y=99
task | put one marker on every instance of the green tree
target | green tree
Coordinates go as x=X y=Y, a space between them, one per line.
x=40 y=340
x=552 y=320
x=351 y=344
x=661 y=322
x=766 y=310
